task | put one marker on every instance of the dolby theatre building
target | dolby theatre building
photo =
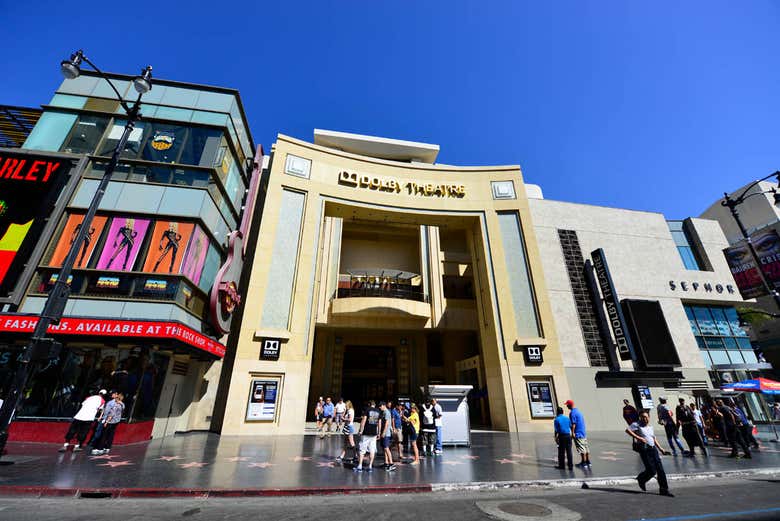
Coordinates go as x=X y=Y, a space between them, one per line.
x=377 y=272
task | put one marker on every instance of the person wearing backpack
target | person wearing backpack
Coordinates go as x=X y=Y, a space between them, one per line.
x=428 y=429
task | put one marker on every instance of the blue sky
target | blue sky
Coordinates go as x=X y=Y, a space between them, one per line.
x=647 y=105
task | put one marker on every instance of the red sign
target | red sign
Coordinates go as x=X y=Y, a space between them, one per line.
x=10 y=323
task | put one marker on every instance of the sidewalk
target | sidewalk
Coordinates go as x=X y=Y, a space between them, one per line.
x=206 y=464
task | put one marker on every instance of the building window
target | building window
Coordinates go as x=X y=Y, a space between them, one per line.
x=684 y=248
x=719 y=336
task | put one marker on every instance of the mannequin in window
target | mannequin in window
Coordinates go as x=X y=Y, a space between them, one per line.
x=128 y=235
x=169 y=242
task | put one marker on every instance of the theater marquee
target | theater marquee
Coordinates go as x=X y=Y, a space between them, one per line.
x=392 y=185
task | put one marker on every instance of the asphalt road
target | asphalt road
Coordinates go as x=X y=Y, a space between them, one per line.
x=754 y=499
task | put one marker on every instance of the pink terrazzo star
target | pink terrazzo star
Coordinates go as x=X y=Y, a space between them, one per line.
x=609 y=453
x=192 y=464
x=328 y=464
x=113 y=464
x=504 y=461
x=520 y=456
x=261 y=465
x=104 y=456
x=452 y=463
x=237 y=458
x=301 y=458
x=470 y=457
x=610 y=458
x=168 y=458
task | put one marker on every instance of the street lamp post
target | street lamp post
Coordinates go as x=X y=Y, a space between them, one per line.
x=731 y=203
x=41 y=347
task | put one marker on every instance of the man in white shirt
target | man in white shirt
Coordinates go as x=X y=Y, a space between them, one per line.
x=340 y=409
x=82 y=421
x=646 y=444
x=438 y=422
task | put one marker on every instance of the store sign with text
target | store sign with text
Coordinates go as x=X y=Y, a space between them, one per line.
x=116 y=328
x=612 y=304
x=397 y=186
x=270 y=349
x=29 y=187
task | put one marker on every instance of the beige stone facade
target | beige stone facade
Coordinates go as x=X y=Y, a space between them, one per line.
x=381 y=272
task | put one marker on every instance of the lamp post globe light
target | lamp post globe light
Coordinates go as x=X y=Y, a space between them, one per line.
x=731 y=203
x=40 y=347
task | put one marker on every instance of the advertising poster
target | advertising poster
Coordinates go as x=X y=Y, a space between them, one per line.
x=645 y=397
x=29 y=187
x=263 y=395
x=540 y=396
x=195 y=256
x=743 y=268
x=124 y=239
x=72 y=227
x=166 y=251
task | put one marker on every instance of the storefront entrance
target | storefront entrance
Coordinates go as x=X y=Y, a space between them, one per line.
x=369 y=373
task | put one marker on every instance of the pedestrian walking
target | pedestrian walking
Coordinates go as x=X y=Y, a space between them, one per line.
x=579 y=434
x=686 y=422
x=438 y=421
x=733 y=434
x=349 y=434
x=398 y=428
x=562 y=430
x=369 y=432
x=328 y=410
x=646 y=444
x=387 y=434
x=746 y=426
x=700 y=424
x=630 y=414
x=666 y=418
x=340 y=409
x=110 y=419
x=414 y=428
x=428 y=429
x=776 y=411
x=318 y=413
x=83 y=420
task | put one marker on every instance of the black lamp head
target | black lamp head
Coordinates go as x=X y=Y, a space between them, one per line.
x=143 y=83
x=71 y=69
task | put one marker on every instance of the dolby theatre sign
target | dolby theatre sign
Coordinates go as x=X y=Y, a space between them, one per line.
x=392 y=185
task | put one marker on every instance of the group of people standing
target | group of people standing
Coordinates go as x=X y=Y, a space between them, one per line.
x=409 y=429
x=105 y=418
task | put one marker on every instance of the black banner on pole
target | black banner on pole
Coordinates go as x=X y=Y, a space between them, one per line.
x=612 y=303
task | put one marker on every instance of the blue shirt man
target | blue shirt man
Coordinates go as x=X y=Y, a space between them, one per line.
x=562 y=424
x=580 y=436
x=578 y=421
x=327 y=409
x=397 y=422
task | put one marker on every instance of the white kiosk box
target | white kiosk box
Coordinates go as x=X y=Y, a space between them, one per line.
x=456 y=428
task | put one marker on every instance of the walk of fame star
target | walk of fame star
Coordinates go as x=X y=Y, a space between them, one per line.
x=610 y=453
x=610 y=458
x=237 y=458
x=301 y=458
x=195 y=464
x=504 y=461
x=465 y=456
x=452 y=463
x=113 y=464
x=520 y=456
x=328 y=464
x=104 y=456
x=168 y=458
x=261 y=465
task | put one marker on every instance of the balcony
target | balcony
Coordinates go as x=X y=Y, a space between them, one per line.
x=381 y=293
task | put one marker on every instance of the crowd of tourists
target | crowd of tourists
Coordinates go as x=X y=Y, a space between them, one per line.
x=399 y=428
x=99 y=417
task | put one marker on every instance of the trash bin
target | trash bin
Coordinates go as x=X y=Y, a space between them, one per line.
x=456 y=428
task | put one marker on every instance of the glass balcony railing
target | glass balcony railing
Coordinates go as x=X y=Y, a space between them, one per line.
x=377 y=283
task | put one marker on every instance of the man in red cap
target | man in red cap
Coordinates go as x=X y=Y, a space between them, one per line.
x=579 y=434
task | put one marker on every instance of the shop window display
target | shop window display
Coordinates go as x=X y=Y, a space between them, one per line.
x=57 y=390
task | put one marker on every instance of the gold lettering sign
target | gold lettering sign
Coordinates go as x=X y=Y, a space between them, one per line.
x=389 y=184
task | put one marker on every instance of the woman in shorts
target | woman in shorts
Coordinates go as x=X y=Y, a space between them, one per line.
x=414 y=430
x=318 y=413
x=349 y=431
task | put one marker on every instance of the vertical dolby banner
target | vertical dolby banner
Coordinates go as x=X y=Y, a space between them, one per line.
x=29 y=187
x=612 y=304
x=743 y=267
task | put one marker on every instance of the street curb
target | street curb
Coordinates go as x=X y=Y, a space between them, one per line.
x=126 y=492
x=608 y=481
